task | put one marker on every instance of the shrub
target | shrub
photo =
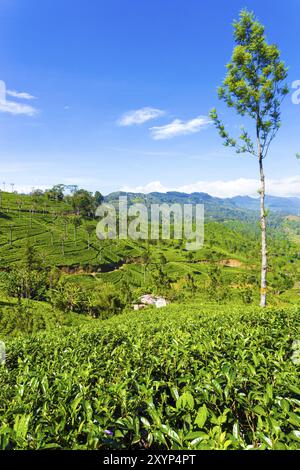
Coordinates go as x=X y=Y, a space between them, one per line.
x=187 y=377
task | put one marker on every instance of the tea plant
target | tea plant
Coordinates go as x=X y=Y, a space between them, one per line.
x=187 y=377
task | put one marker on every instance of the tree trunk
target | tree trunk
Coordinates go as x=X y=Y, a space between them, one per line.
x=263 y=224
x=75 y=235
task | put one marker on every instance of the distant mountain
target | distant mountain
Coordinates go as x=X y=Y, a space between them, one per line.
x=286 y=205
x=214 y=207
x=239 y=207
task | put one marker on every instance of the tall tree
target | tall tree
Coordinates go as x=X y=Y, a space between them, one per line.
x=98 y=199
x=76 y=221
x=83 y=203
x=254 y=86
x=89 y=230
x=56 y=193
x=146 y=261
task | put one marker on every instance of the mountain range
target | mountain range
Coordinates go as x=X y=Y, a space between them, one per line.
x=241 y=207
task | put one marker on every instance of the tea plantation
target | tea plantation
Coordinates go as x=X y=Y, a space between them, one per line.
x=186 y=377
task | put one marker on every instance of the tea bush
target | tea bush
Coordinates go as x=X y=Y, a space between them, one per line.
x=185 y=377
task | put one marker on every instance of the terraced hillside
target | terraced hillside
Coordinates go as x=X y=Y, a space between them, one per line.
x=63 y=239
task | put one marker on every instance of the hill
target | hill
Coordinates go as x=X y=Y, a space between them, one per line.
x=239 y=207
x=284 y=205
x=215 y=208
x=69 y=242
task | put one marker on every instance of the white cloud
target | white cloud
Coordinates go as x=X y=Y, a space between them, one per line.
x=12 y=107
x=153 y=186
x=285 y=187
x=139 y=116
x=17 y=108
x=178 y=127
x=21 y=95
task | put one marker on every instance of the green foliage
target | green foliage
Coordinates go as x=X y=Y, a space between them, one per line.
x=27 y=281
x=162 y=267
x=56 y=193
x=23 y=284
x=29 y=317
x=98 y=199
x=281 y=281
x=161 y=281
x=247 y=295
x=83 y=203
x=217 y=284
x=103 y=300
x=254 y=86
x=189 y=377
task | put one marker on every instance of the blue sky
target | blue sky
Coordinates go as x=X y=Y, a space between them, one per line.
x=83 y=66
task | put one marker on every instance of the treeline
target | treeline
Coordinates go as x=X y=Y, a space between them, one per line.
x=83 y=202
x=60 y=199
